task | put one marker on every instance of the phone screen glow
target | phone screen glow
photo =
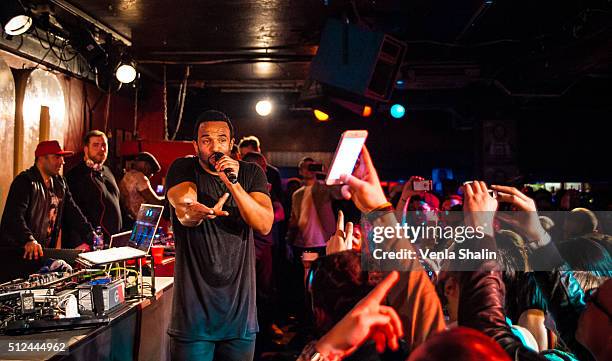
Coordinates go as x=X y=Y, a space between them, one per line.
x=346 y=158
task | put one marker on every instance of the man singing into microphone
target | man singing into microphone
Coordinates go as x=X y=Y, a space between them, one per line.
x=213 y=311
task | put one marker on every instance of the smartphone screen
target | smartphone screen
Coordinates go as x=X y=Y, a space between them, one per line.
x=347 y=152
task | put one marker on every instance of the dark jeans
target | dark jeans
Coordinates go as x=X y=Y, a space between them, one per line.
x=238 y=349
x=265 y=287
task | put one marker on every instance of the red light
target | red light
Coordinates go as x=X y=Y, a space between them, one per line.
x=367 y=111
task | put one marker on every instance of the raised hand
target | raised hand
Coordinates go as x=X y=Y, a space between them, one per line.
x=342 y=240
x=369 y=319
x=526 y=220
x=408 y=189
x=363 y=186
x=479 y=206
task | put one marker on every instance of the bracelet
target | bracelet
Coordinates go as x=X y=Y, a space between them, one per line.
x=309 y=353
x=376 y=212
x=539 y=243
x=383 y=207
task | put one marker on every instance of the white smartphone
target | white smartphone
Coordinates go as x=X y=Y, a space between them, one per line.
x=346 y=155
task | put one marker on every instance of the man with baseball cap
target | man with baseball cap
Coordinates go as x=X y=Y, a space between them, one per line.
x=135 y=187
x=38 y=201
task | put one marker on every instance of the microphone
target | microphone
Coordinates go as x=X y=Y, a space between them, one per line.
x=229 y=172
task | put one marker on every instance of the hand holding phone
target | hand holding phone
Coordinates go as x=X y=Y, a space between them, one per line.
x=421 y=185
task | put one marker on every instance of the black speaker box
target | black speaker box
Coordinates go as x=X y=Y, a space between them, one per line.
x=357 y=60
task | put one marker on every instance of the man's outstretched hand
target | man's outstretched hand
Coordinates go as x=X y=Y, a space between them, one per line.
x=197 y=211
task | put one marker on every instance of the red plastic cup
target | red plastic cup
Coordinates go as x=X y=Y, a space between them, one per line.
x=158 y=254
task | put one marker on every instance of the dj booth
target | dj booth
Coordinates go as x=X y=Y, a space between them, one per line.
x=137 y=331
x=107 y=304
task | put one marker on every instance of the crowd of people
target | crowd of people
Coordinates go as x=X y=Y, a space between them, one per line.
x=254 y=257
x=548 y=296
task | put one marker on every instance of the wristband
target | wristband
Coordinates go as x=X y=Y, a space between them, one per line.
x=375 y=213
x=539 y=243
x=383 y=207
x=310 y=353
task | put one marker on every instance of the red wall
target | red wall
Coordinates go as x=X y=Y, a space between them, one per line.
x=165 y=152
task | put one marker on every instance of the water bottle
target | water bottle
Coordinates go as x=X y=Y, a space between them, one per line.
x=98 y=241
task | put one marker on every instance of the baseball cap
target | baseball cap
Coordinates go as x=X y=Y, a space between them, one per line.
x=150 y=158
x=50 y=147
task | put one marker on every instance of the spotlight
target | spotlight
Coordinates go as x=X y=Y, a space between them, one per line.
x=397 y=111
x=320 y=115
x=126 y=72
x=263 y=107
x=367 y=111
x=18 y=25
x=14 y=18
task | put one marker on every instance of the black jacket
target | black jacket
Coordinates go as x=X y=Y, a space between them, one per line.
x=483 y=293
x=97 y=195
x=481 y=306
x=25 y=216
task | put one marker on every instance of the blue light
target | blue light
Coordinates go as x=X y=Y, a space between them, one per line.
x=397 y=111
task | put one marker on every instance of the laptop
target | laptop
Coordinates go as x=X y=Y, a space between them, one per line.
x=138 y=244
x=68 y=255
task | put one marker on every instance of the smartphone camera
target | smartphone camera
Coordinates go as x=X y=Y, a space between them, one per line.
x=422 y=186
x=492 y=193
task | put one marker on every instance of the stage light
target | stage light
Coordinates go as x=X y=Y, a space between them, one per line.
x=320 y=115
x=126 y=72
x=18 y=25
x=397 y=111
x=14 y=18
x=263 y=107
x=367 y=111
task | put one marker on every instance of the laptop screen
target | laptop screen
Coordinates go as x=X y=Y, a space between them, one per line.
x=120 y=239
x=145 y=226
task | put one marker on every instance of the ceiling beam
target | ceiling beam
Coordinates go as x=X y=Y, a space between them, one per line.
x=99 y=24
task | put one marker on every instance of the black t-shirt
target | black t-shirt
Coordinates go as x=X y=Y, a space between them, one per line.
x=52 y=210
x=97 y=195
x=214 y=274
x=274 y=178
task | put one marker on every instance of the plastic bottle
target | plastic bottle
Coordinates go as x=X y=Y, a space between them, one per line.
x=98 y=241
